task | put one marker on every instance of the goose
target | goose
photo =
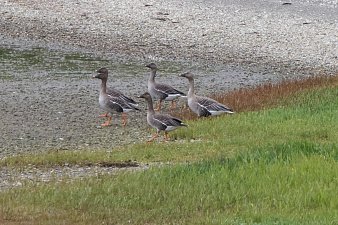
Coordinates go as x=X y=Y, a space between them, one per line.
x=119 y=94
x=114 y=101
x=161 y=91
x=203 y=106
x=160 y=122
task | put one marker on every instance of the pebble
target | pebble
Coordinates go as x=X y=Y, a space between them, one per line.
x=13 y=178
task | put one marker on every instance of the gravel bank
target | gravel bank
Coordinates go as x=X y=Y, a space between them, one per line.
x=31 y=175
x=302 y=35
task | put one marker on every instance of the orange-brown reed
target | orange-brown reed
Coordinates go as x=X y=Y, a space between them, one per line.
x=265 y=95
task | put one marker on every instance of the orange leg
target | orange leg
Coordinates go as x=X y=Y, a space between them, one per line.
x=158 y=108
x=166 y=136
x=124 y=119
x=172 y=105
x=153 y=138
x=104 y=115
x=107 y=123
x=185 y=106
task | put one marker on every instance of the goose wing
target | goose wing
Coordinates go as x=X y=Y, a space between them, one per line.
x=167 y=89
x=212 y=105
x=116 y=93
x=166 y=121
x=119 y=105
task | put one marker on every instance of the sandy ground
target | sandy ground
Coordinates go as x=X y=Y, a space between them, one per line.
x=234 y=43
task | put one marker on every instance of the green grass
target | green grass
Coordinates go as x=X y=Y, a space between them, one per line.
x=284 y=184
x=275 y=166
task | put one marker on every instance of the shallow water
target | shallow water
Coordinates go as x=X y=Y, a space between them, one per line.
x=42 y=64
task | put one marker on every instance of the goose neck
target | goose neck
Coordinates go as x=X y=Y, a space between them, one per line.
x=104 y=86
x=191 y=88
x=152 y=76
x=150 y=106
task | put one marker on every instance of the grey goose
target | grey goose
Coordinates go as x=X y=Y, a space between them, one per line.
x=160 y=122
x=161 y=92
x=203 y=106
x=114 y=101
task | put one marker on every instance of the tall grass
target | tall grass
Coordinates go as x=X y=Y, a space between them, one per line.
x=271 y=94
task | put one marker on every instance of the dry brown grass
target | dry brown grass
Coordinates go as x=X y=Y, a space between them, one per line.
x=265 y=95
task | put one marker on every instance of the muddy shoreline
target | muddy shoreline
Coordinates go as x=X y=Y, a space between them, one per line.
x=50 y=50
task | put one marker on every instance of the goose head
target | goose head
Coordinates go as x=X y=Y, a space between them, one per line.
x=188 y=75
x=101 y=74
